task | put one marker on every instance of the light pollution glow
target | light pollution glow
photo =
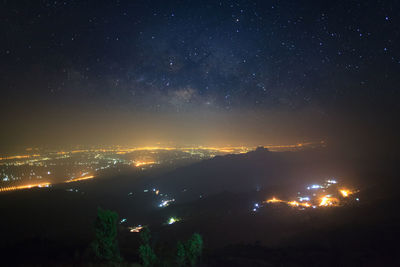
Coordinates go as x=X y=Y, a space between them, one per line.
x=218 y=129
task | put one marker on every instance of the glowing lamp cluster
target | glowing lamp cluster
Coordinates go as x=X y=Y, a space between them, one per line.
x=319 y=196
x=173 y=220
x=328 y=201
x=136 y=229
x=345 y=192
x=274 y=200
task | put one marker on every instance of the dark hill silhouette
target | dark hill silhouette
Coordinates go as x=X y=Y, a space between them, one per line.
x=251 y=171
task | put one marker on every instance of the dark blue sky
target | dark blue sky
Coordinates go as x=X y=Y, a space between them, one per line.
x=59 y=59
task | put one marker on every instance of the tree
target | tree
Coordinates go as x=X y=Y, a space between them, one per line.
x=146 y=252
x=194 y=248
x=147 y=255
x=105 y=244
x=180 y=254
x=145 y=235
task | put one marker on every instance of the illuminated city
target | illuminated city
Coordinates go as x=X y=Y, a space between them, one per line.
x=83 y=164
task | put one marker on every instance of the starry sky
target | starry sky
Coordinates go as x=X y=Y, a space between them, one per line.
x=221 y=72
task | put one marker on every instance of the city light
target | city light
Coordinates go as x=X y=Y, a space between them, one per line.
x=142 y=163
x=135 y=229
x=166 y=203
x=172 y=220
x=12 y=188
x=345 y=192
x=274 y=200
x=293 y=203
x=329 y=198
x=19 y=157
x=80 y=179
x=328 y=201
x=83 y=164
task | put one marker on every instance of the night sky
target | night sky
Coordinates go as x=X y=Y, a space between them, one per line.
x=204 y=72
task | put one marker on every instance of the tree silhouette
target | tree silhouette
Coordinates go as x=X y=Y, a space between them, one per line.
x=190 y=251
x=145 y=235
x=146 y=252
x=180 y=254
x=147 y=255
x=194 y=248
x=105 y=245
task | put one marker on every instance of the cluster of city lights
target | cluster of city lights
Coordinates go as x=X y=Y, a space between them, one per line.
x=166 y=203
x=142 y=163
x=80 y=179
x=328 y=194
x=83 y=164
x=135 y=229
x=172 y=220
x=40 y=185
x=29 y=186
x=138 y=228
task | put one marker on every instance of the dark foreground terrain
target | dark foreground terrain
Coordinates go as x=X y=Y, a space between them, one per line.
x=215 y=198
